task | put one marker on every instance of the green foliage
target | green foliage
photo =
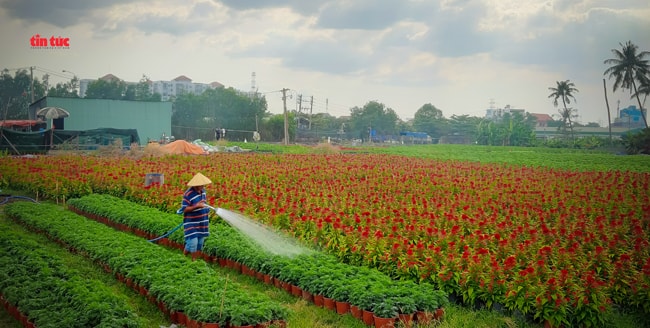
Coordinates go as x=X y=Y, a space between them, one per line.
x=637 y=143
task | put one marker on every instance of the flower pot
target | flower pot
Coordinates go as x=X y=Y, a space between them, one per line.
x=342 y=307
x=368 y=317
x=384 y=322
x=287 y=287
x=356 y=312
x=307 y=296
x=318 y=300
x=296 y=291
x=210 y=325
x=329 y=303
x=438 y=314
x=191 y=323
x=406 y=319
x=263 y=325
x=423 y=317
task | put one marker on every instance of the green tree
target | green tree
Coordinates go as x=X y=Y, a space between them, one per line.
x=196 y=116
x=564 y=90
x=65 y=90
x=272 y=127
x=628 y=67
x=513 y=129
x=464 y=125
x=16 y=94
x=106 y=89
x=373 y=116
x=429 y=119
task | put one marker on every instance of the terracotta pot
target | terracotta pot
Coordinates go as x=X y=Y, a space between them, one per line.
x=296 y=291
x=384 y=322
x=342 y=307
x=329 y=303
x=368 y=317
x=423 y=317
x=318 y=300
x=181 y=318
x=210 y=325
x=307 y=296
x=406 y=319
x=287 y=287
x=356 y=312
x=191 y=323
x=438 y=314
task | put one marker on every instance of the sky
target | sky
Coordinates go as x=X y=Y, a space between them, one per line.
x=462 y=56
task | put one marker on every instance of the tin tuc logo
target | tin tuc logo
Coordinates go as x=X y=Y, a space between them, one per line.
x=53 y=42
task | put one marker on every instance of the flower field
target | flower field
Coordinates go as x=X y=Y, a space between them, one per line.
x=563 y=246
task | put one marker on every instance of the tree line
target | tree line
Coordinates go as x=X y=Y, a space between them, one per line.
x=197 y=116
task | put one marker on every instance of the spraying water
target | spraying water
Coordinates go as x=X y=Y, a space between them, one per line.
x=261 y=234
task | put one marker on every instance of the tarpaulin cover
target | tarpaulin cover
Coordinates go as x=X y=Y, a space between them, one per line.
x=183 y=147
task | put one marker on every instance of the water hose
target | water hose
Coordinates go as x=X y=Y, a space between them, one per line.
x=9 y=197
x=178 y=226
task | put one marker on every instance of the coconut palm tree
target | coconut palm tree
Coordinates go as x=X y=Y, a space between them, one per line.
x=564 y=90
x=628 y=67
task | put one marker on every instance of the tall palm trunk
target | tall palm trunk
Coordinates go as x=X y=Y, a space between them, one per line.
x=636 y=93
x=568 y=116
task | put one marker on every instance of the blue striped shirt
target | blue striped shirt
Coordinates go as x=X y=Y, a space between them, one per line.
x=195 y=223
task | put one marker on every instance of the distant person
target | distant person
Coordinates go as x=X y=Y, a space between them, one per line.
x=223 y=133
x=217 y=133
x=196 y=224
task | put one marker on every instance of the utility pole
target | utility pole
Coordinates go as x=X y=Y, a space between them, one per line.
x=311 y=108
x=31 y=70
x=609 y=119
x=286 y=117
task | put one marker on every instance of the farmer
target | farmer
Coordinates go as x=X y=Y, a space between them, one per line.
x=195 y=215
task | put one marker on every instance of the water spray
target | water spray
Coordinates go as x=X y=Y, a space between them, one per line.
x=261 y=234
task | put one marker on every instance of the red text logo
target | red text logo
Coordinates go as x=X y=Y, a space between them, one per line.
x=37 y=41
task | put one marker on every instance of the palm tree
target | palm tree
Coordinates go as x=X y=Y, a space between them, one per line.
x=564 y=90
x=644 y=89
x=628 y=66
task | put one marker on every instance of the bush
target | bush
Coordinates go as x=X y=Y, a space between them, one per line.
x=637 y=143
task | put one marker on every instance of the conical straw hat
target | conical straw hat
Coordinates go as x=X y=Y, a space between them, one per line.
x=199 y=180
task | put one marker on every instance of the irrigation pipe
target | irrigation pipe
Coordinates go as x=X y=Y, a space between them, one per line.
x=177 y=227
x=8 y=198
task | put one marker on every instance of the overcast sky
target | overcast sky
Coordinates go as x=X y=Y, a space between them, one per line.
x=462 y=56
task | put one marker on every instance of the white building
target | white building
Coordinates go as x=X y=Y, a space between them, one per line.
x=167 y=89
x=495 y=113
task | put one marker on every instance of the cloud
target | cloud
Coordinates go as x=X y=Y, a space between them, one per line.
x=364 y=14
x=61 y=13
x=301 y=6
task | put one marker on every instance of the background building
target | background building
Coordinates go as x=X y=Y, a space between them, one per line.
x=167 y=89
